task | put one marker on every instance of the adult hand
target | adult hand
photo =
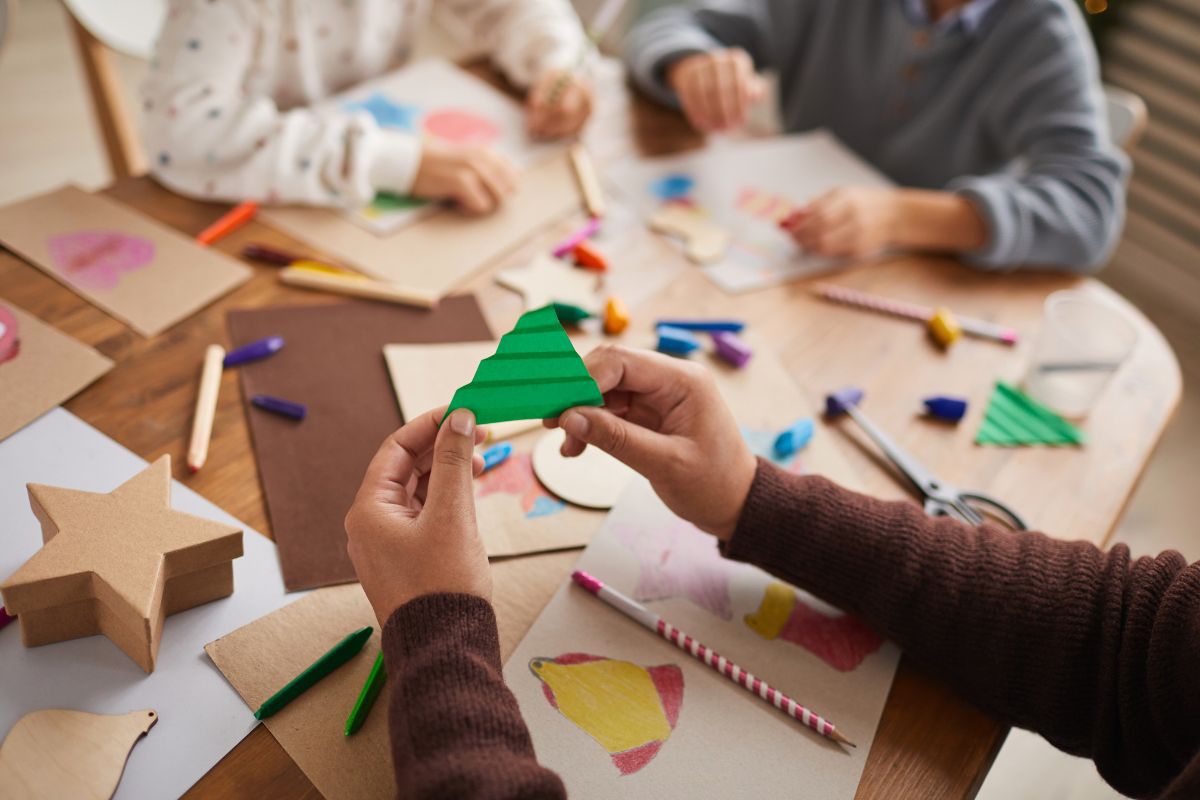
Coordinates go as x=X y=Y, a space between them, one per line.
x=716 y=89
x=846 y=222
x=666 y=419
x=477 y=178
x=558 y=104
x=411 y=530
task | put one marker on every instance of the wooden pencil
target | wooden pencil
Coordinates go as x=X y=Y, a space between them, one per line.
x=206 y=406
x=356 y=286
x=589 y=184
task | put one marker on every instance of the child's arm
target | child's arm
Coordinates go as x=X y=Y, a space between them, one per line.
x=211 y=132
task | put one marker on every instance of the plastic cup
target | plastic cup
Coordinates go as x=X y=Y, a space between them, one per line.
x=1082 y=344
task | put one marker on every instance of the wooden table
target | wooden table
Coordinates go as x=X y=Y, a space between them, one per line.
x=930 y=743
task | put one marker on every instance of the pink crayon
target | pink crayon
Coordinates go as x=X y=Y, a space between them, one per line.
x=648 y=619
x=972 y=327
x=567 y=245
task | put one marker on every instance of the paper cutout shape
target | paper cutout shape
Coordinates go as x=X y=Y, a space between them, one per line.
x=118 y=564
x=10 y=335
x=534 y=374
x=1013 y=418
x=628 y=709
x=97 y=259
x=703 y=240
x=387 y=114
x=672 y=186
x=134 y=268
x=57 y=753
x=547 y=280
x=593 y=479
x=461 y=127
x=515 y=477
x=840 y=640
x=39 y=368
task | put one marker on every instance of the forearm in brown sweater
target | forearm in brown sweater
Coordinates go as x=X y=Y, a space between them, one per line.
x=456 y=729
x=1098 y=652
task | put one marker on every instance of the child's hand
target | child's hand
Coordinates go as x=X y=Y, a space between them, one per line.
x=554 y=110
x=477 y=178
x=716 y=89
x=846 y=222
x=411 y=530
x=666 y=419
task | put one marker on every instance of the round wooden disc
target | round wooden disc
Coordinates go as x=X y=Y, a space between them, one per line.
x=592 y=480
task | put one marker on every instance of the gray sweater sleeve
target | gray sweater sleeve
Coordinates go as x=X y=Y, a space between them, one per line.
x=1063 y=202
x=671 y=33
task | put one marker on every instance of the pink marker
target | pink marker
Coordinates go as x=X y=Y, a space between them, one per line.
x=648 y=619
x=566 y=246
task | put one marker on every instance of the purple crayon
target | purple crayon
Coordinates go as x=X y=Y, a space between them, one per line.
x=731 y=348
x=285 y=408
x=836 y=403
x=254 y=351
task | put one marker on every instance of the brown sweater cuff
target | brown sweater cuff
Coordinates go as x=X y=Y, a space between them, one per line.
x=422 y=623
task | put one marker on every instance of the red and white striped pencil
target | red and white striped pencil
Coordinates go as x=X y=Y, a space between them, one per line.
x=884 y=305
x=648 y=619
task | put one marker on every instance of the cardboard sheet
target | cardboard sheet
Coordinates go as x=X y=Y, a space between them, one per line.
x=39 y=367
x=746 y=188
x=141 y=272
x=333 y=364
x=201 y=719
x=635 y=717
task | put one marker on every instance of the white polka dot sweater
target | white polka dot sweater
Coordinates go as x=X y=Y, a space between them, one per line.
x=225 y=106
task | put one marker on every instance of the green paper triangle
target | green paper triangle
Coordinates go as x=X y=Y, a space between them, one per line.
x=534 y=374
x=1014 y=418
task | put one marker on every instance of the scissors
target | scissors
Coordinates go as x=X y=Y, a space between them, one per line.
x=941 y=499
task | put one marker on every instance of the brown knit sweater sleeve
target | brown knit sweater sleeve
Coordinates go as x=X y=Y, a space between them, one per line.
x=456 y=729
x=1097 y=652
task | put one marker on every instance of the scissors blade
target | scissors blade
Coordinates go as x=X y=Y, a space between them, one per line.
x=912 y=469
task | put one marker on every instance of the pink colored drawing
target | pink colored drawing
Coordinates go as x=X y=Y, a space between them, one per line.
x=96 y=259
x=628 y=709
x=515 y=477
x=10 y=339
x=461 y=127
x=762 y=205
x=841 y=641
x=677 y=560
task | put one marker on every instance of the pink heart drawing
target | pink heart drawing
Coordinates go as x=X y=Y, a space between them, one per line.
x=10 y=339
x=461 y=127
x=96 y=259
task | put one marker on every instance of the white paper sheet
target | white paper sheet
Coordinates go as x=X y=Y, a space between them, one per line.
x=201 y=717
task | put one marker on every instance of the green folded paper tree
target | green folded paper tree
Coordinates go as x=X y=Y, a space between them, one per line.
x=1014 y=418
x=535 y=373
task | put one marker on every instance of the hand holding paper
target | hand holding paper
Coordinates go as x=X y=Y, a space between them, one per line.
x=411 y=530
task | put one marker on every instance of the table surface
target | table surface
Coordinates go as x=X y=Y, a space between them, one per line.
x=930 y=743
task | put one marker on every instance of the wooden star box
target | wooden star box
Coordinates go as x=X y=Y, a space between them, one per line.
x=117 y=564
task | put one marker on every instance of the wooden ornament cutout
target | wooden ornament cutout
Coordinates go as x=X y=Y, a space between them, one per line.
x=593 y=479
x=118 y=564
x=704 y=241
x=56 y=753
x=547 y=280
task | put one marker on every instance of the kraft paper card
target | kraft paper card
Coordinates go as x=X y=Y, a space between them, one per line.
x=618 y=711
x=141 y=272
x=200 y=717
x=333 y=363
x=39 y=368
x=446 y=248
x=738 y=192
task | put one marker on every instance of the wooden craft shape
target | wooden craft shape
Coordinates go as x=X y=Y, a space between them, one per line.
x=593 y=479
x=547 y=280
x=56 y=753
x=118 y=564
x=703 y=241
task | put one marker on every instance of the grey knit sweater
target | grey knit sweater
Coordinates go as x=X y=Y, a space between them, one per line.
x=1008 y=112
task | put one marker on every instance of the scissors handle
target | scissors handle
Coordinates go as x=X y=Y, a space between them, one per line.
x=974 y=509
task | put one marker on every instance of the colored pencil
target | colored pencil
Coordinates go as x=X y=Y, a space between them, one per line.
x=367 y=697
x=235 y=218
x=269 y=255
x=206 y=406
x=648 y=619
x=337 y=655
x=356 y=286
x=978 y=328
x=589 y=183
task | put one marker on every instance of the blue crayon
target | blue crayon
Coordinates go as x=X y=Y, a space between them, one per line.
x=836 y=403
x=254 y=351
x=795 y=438
x=704 y=325
x=496 y=455
x=951 y=409
x=285 y=408
x=676 y=341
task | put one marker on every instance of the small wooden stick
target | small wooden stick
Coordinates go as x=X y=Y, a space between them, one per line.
x=206 y=406
x=589 y=183
x=357 y=287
